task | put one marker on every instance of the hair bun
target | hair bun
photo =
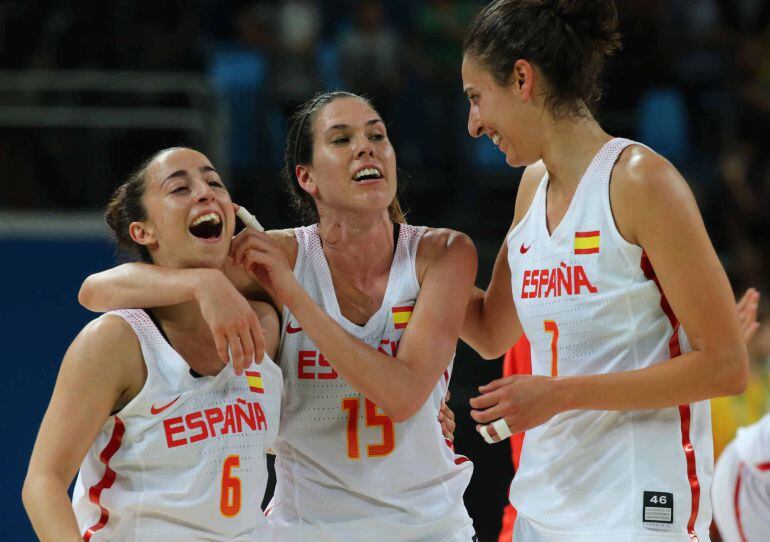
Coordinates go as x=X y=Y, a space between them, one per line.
x=597 y=20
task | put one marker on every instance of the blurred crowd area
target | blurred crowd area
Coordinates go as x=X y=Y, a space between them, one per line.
x=692 y=81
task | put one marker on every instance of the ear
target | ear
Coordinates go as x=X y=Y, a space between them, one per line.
x=305 y=180
x=141 y=233
x=523 y=79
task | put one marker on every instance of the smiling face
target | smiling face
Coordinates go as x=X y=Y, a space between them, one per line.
x=354 y=165
x=190 y=218
x=510 y=116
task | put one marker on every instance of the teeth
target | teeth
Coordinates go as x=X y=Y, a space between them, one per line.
x=214 y=217
x=368 y=171
x=496 y=139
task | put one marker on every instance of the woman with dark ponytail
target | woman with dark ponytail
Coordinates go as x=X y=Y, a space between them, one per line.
x=371 y=311
x=608 y=270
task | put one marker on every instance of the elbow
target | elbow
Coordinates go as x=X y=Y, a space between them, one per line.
x=85 y=295
x=400 y=411
x=26 y=492
x=734 y=373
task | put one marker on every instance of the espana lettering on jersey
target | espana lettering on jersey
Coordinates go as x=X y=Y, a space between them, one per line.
x=196 y=426
x=312 y=365
x=556 y=282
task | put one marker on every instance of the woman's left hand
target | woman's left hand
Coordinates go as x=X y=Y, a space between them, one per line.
x=261 y=256
x=446 y=417
x=525 y=401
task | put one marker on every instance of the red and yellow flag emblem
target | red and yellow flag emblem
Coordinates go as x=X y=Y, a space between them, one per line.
x=401 y=316
x=587 y=242
x=254 y=380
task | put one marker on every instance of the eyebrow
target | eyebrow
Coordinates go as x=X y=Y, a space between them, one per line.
x=344 y=126
x=183 y=173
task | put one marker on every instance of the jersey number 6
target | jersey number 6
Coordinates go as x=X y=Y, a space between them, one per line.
x=373 y=418
x=230 y=499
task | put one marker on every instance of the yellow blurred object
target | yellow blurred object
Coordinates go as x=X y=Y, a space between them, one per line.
x=730 y=413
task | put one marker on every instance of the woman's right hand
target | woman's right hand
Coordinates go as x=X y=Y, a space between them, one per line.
x=230 y=318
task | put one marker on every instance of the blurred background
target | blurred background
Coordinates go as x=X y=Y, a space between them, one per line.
x=87 y=90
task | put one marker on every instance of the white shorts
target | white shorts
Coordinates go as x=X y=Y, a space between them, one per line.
x=741 y=500
x=529 y=531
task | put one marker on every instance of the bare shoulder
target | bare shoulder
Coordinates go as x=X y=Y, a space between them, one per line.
x=287 y=239
x=646 y=186
x=107 y=350
x=530 y=180
x=445 y=245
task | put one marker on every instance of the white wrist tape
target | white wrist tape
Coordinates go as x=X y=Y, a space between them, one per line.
x=249 y=219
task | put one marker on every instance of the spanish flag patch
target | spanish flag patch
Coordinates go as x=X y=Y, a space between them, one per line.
x=401 y=316
x=587 y=242
x=254 y=380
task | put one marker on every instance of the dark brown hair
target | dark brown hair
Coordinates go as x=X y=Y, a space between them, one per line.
x=568 y=40
x=125 y=206
x=299 y=150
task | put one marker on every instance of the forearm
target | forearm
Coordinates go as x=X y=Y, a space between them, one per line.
x=483 y=332
x=391 y=383
x=692 y=377
x=139 y=285
x=50 y=510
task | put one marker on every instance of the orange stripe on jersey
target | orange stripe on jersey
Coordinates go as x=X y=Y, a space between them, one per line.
x=587 y=242
x=95 y=493
x=401 y=316
x=254 y=379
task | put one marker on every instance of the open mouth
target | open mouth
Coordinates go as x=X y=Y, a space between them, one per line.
x=208 y=226
x=367 y=174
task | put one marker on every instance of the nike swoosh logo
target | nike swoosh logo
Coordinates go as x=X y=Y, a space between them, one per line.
x=154 y=410
x=290 y=329
x=524 y=249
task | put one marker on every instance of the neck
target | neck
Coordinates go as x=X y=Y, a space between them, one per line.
x=569 y=147
x=360 y=246
x=183 y=317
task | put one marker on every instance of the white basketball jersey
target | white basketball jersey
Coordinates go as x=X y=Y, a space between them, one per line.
x=345 y=470
x=185 y=459
x=742 y=485
x=590 y=303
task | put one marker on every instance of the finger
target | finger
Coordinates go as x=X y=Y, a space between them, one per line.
x=488 y=415
x=236 y=353
x=447 y=433
x=258 y=339
x=448 y=396
x=248 y=346
x=447 y=412
x=495 y=384
x=235 y=206
x=491 y=435
x=451 y=426
x=750 y=331
x=486 y=400
x=220 y=341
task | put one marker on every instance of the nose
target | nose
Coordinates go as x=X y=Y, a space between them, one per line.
x=475 y=129
x=204 y=192
x=364 y=147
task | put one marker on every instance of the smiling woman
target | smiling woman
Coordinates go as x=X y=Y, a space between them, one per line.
x=372 y=308
x=609 y=272
x=170 y=442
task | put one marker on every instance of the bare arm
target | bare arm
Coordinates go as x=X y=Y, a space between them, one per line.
x=105 y=359
x=655 y=209
x=220 y=296
x=400 y=385
x=491 y=323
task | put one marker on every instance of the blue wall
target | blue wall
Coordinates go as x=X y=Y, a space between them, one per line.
x=39 y=318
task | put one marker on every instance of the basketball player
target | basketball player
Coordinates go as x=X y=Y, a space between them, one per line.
x=517 y=361
x=605 y=267
x=170 y=441
x=372 y=308
x=741 y=492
